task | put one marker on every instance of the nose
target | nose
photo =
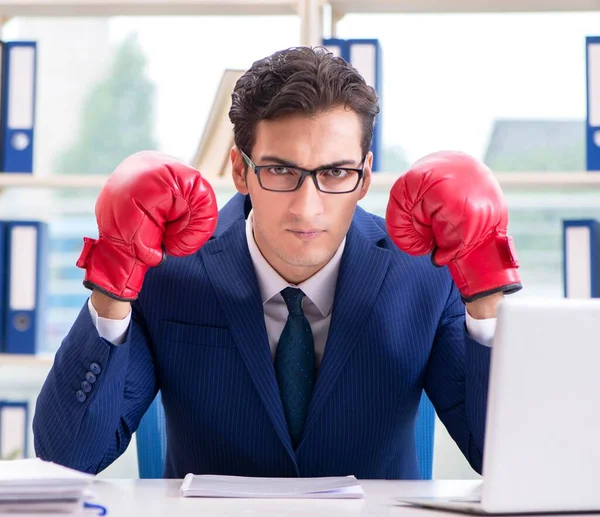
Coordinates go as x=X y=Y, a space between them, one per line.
x=307 y=202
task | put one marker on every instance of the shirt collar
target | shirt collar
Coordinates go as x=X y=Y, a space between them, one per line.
x=319 y=288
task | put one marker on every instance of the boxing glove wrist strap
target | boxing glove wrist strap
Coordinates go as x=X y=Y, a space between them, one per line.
x=110 y=270
x=488 y=268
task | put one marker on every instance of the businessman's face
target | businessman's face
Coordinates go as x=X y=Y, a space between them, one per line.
x=298 y=232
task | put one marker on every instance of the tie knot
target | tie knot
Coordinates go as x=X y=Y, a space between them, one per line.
x=293 y=300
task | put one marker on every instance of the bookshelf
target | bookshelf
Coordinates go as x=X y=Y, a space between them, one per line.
x=310 y=12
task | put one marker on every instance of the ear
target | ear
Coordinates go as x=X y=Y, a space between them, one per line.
x=238 y=167
x=366 y=181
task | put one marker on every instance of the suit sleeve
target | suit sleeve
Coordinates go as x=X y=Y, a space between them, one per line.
x=457 y=381
x=94 y=396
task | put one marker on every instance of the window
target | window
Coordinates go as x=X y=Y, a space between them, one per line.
x=508 y=88
x=471 y=81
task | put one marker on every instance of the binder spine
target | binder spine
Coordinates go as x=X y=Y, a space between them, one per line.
x=593 y=103
x=18 y=106
x=581 y=258
x=365 y=56
x=27 y=244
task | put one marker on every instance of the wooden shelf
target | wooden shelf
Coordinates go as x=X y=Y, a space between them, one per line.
x=342 y=7
x=146 y=7
x=308 y=11
x=279 y=7
x=74 y=181
x=70 y=181
x=550 y=180
x=520 y=180
x=42 y=360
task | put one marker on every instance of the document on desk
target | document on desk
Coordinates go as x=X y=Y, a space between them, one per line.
x=343 y=487
x=32 y=485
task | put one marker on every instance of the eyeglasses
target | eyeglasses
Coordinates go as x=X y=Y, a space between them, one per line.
x=282 y=178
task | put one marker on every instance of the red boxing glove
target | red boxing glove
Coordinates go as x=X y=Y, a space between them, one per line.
x=151 y=204
x=449 y=204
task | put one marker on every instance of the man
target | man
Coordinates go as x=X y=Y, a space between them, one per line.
x=297 y=339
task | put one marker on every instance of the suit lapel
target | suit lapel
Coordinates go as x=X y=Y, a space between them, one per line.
x=230 y=269
x=362 y=270
x=229 y=265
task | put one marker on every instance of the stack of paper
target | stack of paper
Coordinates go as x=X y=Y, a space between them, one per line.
x=345 y=487
x=33 y=485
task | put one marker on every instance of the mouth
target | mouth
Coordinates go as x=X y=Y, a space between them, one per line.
x=307 y=234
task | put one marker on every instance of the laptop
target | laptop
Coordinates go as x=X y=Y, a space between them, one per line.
x=542 y=443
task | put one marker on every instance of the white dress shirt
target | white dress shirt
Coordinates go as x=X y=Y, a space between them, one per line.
x=319 y=290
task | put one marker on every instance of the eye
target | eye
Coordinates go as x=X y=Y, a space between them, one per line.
x=279 y=171
x=335 y=173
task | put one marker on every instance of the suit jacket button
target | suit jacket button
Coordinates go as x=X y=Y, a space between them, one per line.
x=86 y=387
x=95 y=368
x=90 y=377
x=81 y=396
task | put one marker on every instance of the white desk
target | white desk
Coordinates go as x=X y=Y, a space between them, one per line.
x=149 y=498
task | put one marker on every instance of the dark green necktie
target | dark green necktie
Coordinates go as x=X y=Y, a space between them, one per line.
x=295 y=363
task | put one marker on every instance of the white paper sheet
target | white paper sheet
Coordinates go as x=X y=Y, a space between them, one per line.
x=33 y=472
x=32 y=485
x=345 y=487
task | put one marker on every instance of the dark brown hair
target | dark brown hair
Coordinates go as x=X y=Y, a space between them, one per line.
x=299 y=80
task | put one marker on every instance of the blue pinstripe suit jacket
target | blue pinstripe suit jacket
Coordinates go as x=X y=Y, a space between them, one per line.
x=198 y=334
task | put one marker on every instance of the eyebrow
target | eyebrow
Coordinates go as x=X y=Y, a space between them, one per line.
x=276 y=160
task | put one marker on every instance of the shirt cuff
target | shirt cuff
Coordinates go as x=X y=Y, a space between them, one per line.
x=481 y=331
x=113 y=331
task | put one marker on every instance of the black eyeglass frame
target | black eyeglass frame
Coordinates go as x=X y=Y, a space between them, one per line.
x=304 y=173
